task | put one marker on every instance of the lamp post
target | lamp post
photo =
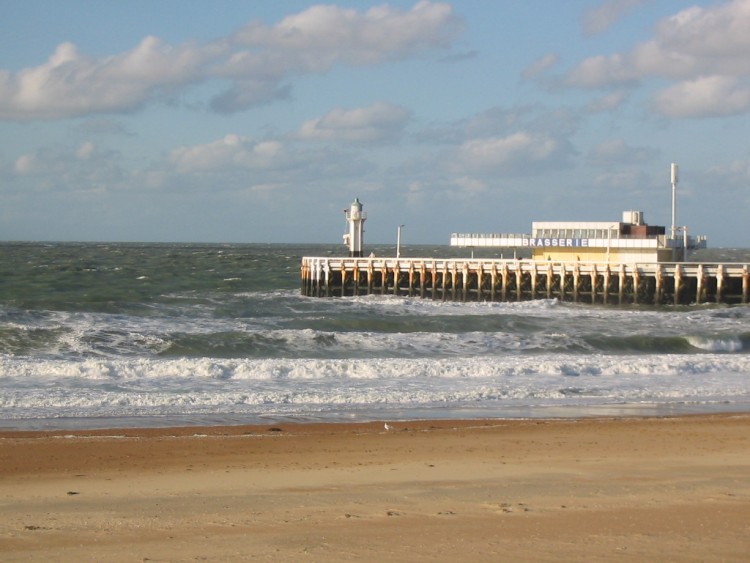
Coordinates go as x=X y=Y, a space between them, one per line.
x=398 y=241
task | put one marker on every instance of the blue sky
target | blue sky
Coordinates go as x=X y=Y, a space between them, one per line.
x=225 y=121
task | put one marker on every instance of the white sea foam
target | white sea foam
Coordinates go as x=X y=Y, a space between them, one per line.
x=129 y=387
x=145 y=369
x=728 y=344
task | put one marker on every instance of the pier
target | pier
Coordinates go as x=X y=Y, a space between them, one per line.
x=678 y=283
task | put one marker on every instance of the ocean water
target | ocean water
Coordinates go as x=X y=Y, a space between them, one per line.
x=113 y=335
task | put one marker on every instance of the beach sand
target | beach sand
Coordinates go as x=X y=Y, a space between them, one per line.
x=628 y=489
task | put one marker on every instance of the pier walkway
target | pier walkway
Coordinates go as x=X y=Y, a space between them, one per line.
x=521 y=280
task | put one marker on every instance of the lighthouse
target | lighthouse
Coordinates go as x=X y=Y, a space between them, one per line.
x=355 y=220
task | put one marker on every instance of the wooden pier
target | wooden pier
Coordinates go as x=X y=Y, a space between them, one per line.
x=523 y=280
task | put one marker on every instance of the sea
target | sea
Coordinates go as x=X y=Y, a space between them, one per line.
x=154 y=335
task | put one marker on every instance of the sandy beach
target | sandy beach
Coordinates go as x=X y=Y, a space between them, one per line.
x=653 y=489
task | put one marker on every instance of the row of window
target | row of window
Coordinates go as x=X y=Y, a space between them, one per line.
x=577 y=233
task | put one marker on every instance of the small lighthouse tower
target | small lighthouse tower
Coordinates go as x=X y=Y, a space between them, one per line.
x=355 y=220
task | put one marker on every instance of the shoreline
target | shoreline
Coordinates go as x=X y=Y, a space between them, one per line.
x=506 y=412
x=672 y=487
x=303 y=427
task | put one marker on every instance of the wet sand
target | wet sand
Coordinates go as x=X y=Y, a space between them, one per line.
x=628 y=489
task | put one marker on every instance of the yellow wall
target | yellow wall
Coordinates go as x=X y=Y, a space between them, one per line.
x=555 y=254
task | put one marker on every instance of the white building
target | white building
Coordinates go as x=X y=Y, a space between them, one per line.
x=629 y=241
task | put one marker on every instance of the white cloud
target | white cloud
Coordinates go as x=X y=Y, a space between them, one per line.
x=85 y=151
x=85 y=169
x=256 y=61
x=71 y=84
x=518 y=152
x=26 y=164
x=235 y=163
x=227 y=154
x=608 y=102
x=615 y=152
x=603 y=71
x=378 y=122
x=703 y=48
x=731 y=177
x=470 y=185
x=622 y=182
x=249 y=92
x=539 y=66
x=711 y=96
x=321 y=36
x=102 y=126
x=600 y=18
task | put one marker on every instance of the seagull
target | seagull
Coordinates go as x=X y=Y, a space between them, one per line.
x=387 y=426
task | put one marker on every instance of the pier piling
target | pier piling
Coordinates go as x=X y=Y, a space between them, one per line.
x=519 y=280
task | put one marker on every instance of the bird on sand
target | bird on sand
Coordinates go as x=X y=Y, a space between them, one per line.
x=388 y=426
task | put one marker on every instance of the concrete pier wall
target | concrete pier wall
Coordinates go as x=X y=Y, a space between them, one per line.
x=521 y=280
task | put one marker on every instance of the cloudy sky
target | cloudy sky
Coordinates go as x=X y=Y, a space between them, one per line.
x=226 y=121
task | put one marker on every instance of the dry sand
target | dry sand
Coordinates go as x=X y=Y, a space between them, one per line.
x=662 y=489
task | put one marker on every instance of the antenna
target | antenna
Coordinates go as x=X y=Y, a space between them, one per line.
x=674 y=200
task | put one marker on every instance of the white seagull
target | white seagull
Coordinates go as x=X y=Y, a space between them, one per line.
x=387 y=426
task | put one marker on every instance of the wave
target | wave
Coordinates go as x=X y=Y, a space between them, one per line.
x=381 y=329
x=129 y=387
x=508 y=366
x=722 y=344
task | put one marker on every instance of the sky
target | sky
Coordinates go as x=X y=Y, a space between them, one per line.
x=260 y=122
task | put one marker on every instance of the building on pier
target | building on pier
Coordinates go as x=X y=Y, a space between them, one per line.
x=628 y=241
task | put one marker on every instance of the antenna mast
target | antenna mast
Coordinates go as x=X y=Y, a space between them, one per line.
x=674 y=200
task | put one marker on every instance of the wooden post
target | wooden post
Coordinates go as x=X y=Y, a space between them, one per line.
x=355 y=275
x=411 y=278
x=519 y=280
x=550 y=275
x=422 y=276
x=454 y=275
x=745 y=284
x=677 y=283
x=719 y=283
x=621 y=284
x=316 y=275
x=434 y=279
x=493 y=281
x=343 y=279
x=636 y=283
x=445 y=277
x=562 y=281
x=657 y=294
x=576 y=274
x=465 y=276
x=480 y=276
x=606 y=284
x=370 y=273
x=594 y=275
x=533 y=280
x=505 y=281
x=701 y=285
